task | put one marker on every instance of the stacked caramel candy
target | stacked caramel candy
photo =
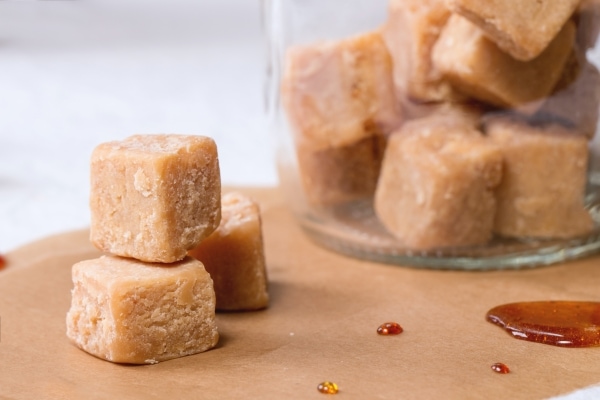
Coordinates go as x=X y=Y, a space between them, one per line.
x=153 y=199
x=462 y=119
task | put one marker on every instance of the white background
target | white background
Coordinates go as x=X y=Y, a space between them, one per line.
x=74 y=74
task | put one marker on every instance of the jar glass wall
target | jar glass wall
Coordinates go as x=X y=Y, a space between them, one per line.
x=415 y=134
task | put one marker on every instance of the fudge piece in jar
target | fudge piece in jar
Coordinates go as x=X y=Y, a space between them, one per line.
x=436 y=185
x=340 y=102
x=234 y=256
x=521 y=28
x=127 y=311
x=342 y=174
x=476 y=66
x=336 y=93
x=154 y=197
x=410 y=32
x=542 y=191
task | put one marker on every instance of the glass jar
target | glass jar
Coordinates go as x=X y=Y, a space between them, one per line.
x=412 y=135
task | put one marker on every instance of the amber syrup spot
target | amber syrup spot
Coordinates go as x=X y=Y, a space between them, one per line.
x=500 y=368
x=390 y=328
x=328 y=387
x=2 y=262
x=557 y=323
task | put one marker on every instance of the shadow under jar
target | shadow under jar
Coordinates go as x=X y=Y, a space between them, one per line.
x=439 y=133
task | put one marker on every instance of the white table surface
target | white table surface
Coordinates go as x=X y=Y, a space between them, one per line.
x=74 y=74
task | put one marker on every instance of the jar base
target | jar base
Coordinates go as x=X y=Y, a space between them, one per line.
x=354 y=230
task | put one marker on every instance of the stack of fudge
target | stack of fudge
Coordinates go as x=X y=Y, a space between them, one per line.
x=461 y=119
x=178 y=252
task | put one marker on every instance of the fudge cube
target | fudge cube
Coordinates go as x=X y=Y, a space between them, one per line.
x=340 y=102
x=127 y=311
x=542 y=192
x=154 y=197
x=234 y=256
x=337 y=93
x=475 y=65
x=521 y=28
x=436 y=185
x=410 y=32
x=577 y=104
x=342 y=174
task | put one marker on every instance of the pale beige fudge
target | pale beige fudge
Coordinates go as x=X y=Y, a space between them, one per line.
x=522 y=28
x=153 y=197
x=436 y=185
x=578 y=104
x=542 y=191
x=337 y=93
x=341 y=104
x=234 y=256
x=340 y=174
x=410 y=32
x=127 y=311
x=475 y=65
x=588 y=23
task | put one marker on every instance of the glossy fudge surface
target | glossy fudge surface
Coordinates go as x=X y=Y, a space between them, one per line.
x=153 y=197
x=127 y=311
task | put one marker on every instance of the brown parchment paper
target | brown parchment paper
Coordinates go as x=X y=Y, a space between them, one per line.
x=321 y=325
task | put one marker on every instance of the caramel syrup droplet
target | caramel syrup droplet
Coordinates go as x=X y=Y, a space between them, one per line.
x=2 y=262
x=390 y=328
x=500 y=368
x=557 y=323
x=328 y=387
